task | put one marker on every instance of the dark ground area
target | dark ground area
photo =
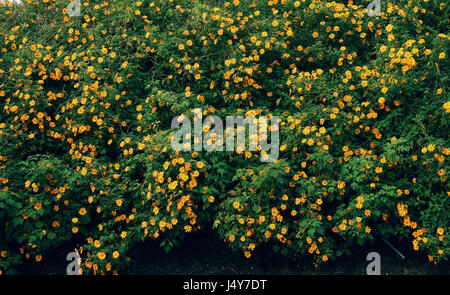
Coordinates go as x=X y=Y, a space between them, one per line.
x=205 y=253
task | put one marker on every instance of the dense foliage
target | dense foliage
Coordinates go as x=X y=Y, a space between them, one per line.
x=86 y=105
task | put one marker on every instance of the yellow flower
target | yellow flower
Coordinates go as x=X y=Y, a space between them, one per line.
x=101 y=255
x=173 y=185
x=447 y=106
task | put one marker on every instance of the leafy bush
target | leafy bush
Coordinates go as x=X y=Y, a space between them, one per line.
x=86 y=105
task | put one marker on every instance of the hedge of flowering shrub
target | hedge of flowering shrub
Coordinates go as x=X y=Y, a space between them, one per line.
x=86 y=104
